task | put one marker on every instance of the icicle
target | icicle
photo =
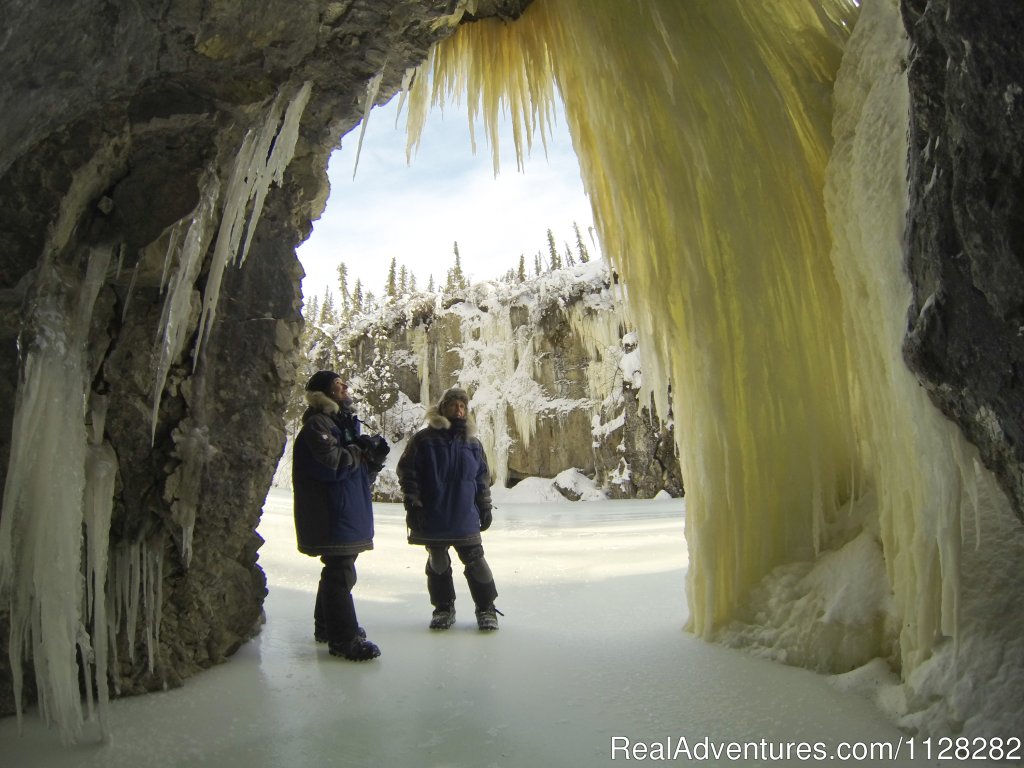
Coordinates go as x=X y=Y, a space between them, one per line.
x=41 y=524
x=131 y=291
x=369 y=99
x=136 y=574
x=261 y=160
x=100 y=475
x=280 y=157
x=487 y=63
x=192 y=449
x=403 y=91
x=188 y=254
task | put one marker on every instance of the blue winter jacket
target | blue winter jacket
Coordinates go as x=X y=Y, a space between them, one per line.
x=330 y=482
x=445 y=483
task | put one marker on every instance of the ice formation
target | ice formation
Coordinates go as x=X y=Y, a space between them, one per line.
x=776 y=322
x=261 y=161
x=500 y=360
x=42 y=522
x=187 y=255
x=59 y=619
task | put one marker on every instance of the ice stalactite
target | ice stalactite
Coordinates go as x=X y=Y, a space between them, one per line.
x=260 y=162
x=469 y=64
x=42 y=521
x=704 y=131
x=186 y=254
x=98 y=502
x=135 y=581
x=192 y=449
x=369 y=98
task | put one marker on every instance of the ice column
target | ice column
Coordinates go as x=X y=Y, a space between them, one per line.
x=915 y=458
x=100 y=475
x=41 y=525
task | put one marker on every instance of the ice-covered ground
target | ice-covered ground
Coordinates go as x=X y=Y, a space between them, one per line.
x=591 y=653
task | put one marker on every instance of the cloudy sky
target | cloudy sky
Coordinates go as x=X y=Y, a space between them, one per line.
x=416 y=211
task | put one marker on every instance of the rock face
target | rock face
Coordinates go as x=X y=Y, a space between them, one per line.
x=551 y=372
x=966 y=222
x=120 y=121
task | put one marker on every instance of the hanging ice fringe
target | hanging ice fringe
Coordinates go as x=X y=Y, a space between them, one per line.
x=58 y=603
x=42 y=520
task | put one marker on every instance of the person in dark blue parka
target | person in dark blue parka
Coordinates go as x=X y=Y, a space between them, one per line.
x=446 y=491
x=331 y=479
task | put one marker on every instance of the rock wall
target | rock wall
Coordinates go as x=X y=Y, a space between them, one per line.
x=965 y=248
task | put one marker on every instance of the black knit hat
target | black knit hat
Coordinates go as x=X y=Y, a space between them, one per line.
x=451 y=395
x=321 y=381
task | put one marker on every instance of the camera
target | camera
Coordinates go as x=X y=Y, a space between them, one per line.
x=374 y=447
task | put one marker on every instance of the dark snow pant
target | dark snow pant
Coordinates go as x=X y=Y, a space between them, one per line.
x=440 y=583
x=335 y=614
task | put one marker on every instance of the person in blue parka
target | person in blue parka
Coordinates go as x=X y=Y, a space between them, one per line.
x=332 y=471
x=446 y=491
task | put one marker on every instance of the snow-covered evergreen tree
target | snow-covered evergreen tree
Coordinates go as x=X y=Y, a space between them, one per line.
x=379 y=387
x=555 y=261
x=391 y=286
x=581 y=247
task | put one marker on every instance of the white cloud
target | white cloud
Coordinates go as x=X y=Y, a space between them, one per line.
x=415 y=212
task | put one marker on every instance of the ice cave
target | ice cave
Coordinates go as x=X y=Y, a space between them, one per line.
x=816 y=209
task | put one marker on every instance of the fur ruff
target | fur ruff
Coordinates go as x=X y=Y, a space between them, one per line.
x=321 y=402
x=437 y=421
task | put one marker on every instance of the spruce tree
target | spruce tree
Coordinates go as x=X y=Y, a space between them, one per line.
x=581 y=247
x=521 y=273
x=403 y=280
x=569 y=260
x=391 y=289
x=456 y=277
x=555 y=259
x=327 y=314
x=311 y=312
x=357 y=297
x=344 y=299
x=380 y=386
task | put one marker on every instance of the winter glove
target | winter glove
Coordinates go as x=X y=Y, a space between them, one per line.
x=414 y=514
x=355 y=453
x=485 y=519
x=374 y=447
x=414 y=519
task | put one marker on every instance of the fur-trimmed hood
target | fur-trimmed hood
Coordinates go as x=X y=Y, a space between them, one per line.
x=437 y=421
x=319 y=401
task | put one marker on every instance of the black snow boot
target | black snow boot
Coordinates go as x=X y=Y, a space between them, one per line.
x=320 y=633
x=357 y=649
x=444 y=616
x=487 y=618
